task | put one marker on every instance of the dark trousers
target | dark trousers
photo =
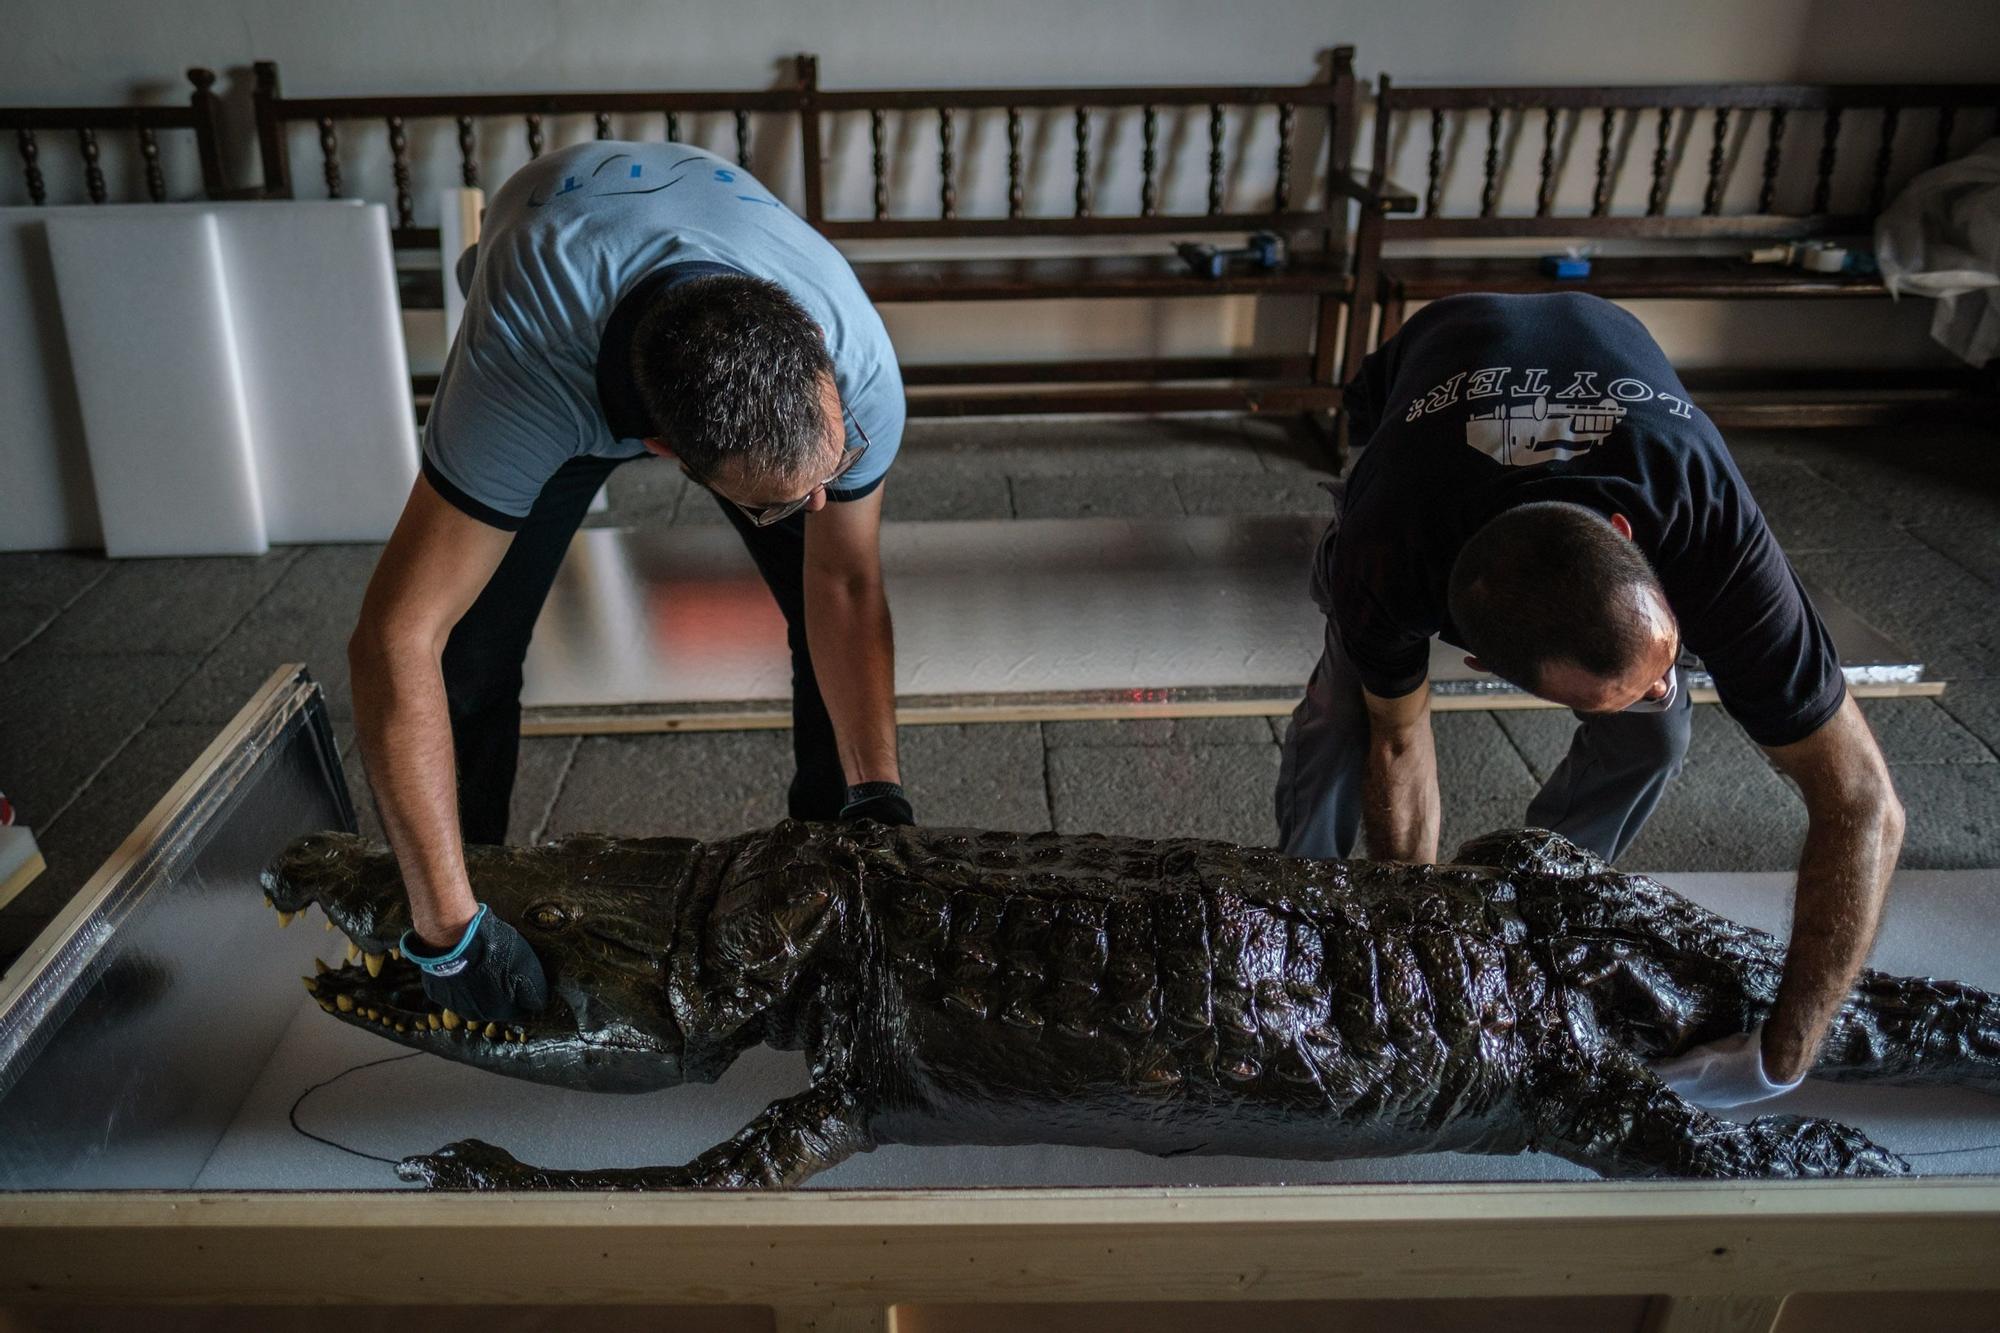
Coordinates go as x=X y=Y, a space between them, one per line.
x=483 y=658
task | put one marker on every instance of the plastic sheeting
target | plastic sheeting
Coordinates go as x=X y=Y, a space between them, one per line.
x=1941 y=238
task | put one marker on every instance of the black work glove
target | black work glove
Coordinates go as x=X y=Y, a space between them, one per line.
x=491 y=974
x=883 y=802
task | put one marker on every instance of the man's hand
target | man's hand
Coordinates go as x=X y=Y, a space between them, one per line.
x=1853 y=836
x=883 y=802
x=490 y=973
x=1725 y=1073
x=1400 y=804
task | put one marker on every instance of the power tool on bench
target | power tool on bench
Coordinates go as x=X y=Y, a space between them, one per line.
x=1264 y=250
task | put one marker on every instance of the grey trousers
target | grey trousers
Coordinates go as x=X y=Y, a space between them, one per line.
x=1617 y=769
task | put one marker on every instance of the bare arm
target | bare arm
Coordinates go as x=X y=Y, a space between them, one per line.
x=1853 y=835
x=847 y=627
x=432 y=570
x=1400 y=802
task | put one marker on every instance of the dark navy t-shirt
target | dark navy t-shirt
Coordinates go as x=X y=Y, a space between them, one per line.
x=1481 y=403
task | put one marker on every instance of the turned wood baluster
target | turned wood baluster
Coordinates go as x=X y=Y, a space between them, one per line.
x=947 y=188
x=534 y=134
x=1287 y=115
x=93 y=172
x=1947 y=116
x=1884 y=159
x=604 y=124
x=1600 y=192
x=878 y=162
x=1545 y=190
x=743 y=139
x=1829 y=147
x=468 y=160
x=1432 y=184
x=1016 y=196
x=1774 y=147
x=1711 y=199
x=1214 y=157
x=1149 y=185
x=1656 y=198
x=329 y=153
x=31 y=164
x=1489 y=190
x=156 y=181
x=1083 y=162
x=399 y=161
x=673 y=127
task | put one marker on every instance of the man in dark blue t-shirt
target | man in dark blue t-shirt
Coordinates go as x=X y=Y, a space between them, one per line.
x=1539 y=490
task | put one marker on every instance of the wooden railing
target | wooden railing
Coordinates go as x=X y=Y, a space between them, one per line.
x=1903 y=128
x=144 y=123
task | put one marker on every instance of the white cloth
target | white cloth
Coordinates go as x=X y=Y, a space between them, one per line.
x=1729 y=1072
x=1941 y=238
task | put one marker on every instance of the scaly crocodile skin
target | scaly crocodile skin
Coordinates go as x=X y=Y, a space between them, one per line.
x=1174 y=996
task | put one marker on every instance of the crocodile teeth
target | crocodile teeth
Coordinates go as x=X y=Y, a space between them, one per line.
x=401 y=1028
x=450 y=1020
x=326 y=924
x=433 y=1022
x=345 y=1003
x=492 y=1031
x=285 y=918
x=353 y=952
x=374 y=962
x=326 y=1005
x=312 y=985
x=396 y=955
x=320 y=968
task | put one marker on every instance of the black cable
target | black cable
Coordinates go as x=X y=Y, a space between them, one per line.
x=293 y=1114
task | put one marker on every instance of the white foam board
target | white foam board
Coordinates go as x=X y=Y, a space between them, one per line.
x=46 y=502
x=313 y=295
x=146 y=315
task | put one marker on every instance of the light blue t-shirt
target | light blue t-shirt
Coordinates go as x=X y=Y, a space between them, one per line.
x=564 y=239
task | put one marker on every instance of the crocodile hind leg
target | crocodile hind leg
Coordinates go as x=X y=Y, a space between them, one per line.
x=791 y=1140
x=1616 y=1118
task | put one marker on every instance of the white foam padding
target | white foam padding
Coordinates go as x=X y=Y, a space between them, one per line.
x=310 y=295
x=319 y=328
x=1939 y=923
x=46 y=502
x=146 y=316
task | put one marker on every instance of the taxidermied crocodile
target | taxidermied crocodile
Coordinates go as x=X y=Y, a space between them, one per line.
x=1175 y=996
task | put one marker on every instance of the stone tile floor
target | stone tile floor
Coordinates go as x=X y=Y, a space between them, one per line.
x=114 y=675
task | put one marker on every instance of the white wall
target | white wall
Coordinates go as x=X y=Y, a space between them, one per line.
x=115 y=50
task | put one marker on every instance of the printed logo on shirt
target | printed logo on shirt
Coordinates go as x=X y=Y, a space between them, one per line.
x=1526 y=423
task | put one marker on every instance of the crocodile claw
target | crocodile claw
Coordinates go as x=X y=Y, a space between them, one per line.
x=468 y=1164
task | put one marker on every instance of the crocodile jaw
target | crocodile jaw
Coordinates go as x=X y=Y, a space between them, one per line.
x=379 y=990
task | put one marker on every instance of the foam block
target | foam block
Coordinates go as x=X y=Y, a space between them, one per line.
x=147 y=320
x=313 y=297
x=45 y=497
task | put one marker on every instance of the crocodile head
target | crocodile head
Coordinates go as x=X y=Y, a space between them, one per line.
x=598 y=913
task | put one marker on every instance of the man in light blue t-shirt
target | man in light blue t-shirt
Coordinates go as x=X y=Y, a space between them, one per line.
x=625 y=299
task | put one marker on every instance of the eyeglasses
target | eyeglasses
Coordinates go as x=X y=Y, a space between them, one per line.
x=763 y=516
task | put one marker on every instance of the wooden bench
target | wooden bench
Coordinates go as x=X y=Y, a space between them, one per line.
x=1792 y=133
x=1308 y=204
x=144 y=123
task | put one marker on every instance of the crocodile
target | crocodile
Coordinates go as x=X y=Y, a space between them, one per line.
x=1172 y=996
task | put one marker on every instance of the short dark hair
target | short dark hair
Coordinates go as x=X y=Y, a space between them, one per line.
x=1547 y=582
x=730 y=366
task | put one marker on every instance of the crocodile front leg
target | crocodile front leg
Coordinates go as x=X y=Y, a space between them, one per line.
x=1616 y=1118
x=790 y=1141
